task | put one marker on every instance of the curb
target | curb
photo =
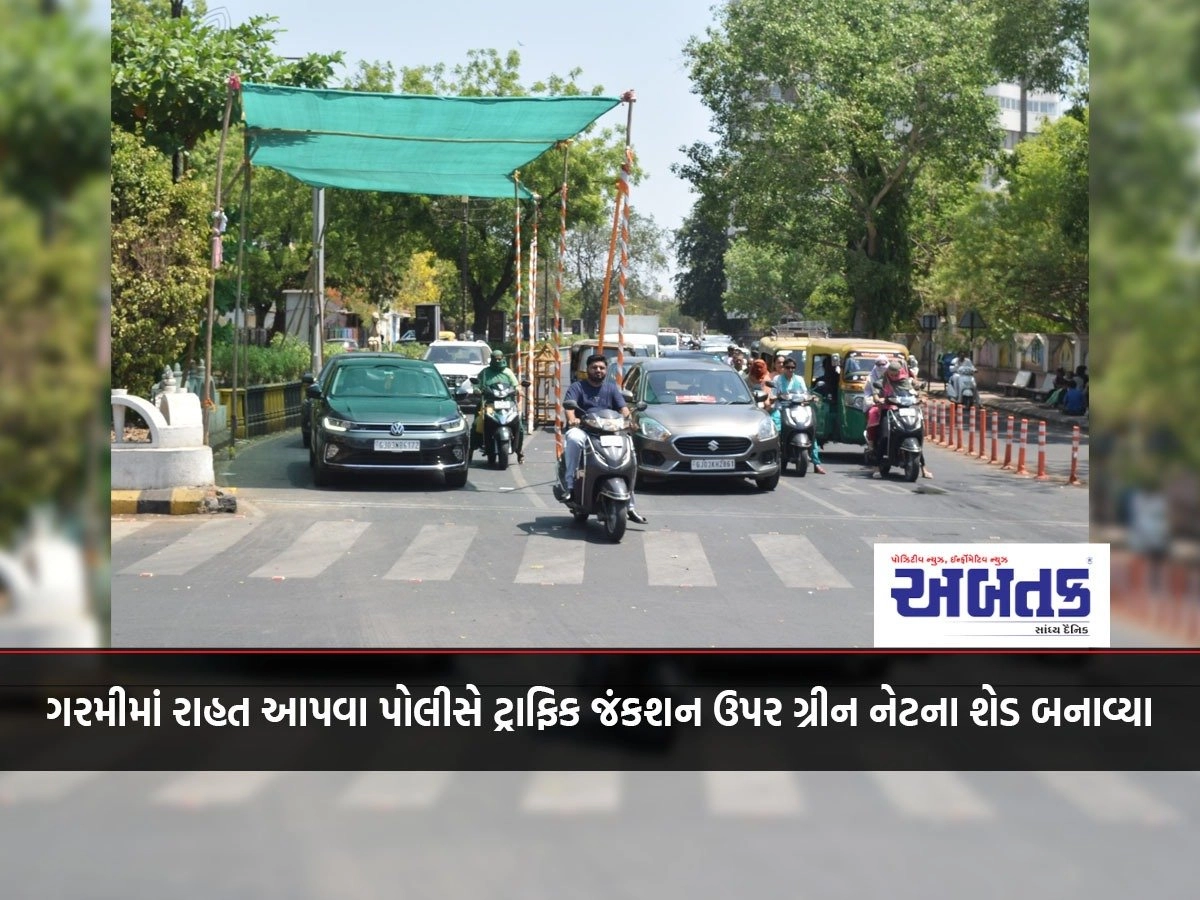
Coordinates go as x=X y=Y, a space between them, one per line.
x=174 y=501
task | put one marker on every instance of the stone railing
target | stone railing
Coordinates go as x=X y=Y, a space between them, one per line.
x=174 y=454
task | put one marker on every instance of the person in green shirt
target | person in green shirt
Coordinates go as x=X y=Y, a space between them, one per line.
x=498 y=372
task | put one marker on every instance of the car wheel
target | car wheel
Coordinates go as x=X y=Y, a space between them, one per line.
x=769 y=483
x=305 y=437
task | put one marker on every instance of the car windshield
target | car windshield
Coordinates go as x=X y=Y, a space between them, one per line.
x=696 y=386
x=465 y=355
x=385 y=380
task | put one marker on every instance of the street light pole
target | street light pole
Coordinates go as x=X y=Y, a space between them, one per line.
x=466 y=202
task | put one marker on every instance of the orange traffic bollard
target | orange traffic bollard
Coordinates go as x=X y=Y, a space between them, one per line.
x=995 y=437
x=1008 y=448
x=1021 y=449
x=1041 y=470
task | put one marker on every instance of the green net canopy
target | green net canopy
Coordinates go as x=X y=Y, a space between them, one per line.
x=405 y=143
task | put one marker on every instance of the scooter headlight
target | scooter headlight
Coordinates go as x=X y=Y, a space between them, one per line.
x=652 y=429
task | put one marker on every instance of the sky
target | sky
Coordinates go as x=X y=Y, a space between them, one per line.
x=619 y=45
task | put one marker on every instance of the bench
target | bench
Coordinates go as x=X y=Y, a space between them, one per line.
x=1018 y=385
x=1042 y=393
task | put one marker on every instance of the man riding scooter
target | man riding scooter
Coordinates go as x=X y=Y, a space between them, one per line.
x=495 y=373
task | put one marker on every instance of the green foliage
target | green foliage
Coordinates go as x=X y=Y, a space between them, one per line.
x=827 y=112
x=159 y=263
x=169 y=75
x=1020 y=253
x=285 y=359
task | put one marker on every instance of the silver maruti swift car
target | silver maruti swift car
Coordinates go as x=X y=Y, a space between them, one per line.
x=698 y=418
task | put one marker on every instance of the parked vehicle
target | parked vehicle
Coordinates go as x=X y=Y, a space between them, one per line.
x=382 y=412
x=836 y=369
x=306 y=406
x=496 y=429
x=900 y=437
x=697 y=418
x=797 y=428
x=795 y=347
x=581 y=350
x=604 y=484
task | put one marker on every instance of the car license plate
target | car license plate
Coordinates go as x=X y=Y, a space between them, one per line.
x=398 y=446
x=611 y=440
x=704 y=465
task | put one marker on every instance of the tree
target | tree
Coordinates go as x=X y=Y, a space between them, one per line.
x=826 y=113
x=701 y=242
x=169 y=74
x=159 y=265
x=1021 y=252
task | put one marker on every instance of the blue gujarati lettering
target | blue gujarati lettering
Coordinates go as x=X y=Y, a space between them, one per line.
x=914 y=590
x=991 y=593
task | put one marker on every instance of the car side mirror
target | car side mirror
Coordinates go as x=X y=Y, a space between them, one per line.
x=525 y=382
x=313 y=392
x=570 y=404
x=307 y=378
x=627 y=394
x=641 y=406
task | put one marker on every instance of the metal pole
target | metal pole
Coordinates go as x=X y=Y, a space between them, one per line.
x=237 y=308
x=318 y=199
x=466 y=202
x=206 y=387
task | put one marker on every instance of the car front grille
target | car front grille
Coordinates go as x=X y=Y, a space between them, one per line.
x=712 y=446
x=387 y=426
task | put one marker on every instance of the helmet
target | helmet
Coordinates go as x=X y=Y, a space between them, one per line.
x=895 y=371
x=497 y=357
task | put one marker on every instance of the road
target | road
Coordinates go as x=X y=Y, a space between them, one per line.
x=404 y=562
x=598 y=834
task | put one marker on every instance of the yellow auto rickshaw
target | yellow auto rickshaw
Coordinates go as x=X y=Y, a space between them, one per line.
x=581 y=350
x=794 y=346
x=836 y=369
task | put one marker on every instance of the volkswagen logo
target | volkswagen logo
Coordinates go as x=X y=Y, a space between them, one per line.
x=713 y=446
x=397 y=429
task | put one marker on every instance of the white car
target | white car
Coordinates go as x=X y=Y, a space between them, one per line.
x=456 y=361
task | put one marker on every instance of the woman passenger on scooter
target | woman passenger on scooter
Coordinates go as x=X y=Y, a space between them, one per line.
x=498 y=372
x=789 y=382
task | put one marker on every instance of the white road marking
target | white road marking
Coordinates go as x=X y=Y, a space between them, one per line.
x=568 y=793
x=821 y=501
x=435 y=553
x=549 y=560
x=797 y=562
x=314 y=551
x=1109 y=797
x=32 y=787
x=938 y=796
x=395 y=790
x=120 y=529
x=675 y=558
x=751 y=794
x=195 y=548
x=196 y=790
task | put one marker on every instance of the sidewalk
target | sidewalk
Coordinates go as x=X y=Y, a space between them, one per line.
x=1022 y=408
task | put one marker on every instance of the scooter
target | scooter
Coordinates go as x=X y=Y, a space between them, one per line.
x=900 y=438
x=499 y=429
x=608 y=467
x=797 y=427
x=961 y=387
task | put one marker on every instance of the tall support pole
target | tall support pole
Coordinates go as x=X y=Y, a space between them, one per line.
x=622 y=275
x=462 y=264
x=628 y=97
x=517 y=280
x=232 y=86
x=558 y=283
x=533 y=320
x=318 y=339
x=237 y=308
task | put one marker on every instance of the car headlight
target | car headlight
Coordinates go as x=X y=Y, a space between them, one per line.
x=766 y=429
x=652 y=429
x=329 y=423
x=453 y=426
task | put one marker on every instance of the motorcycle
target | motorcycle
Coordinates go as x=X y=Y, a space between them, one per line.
x=608 y=467
x=797 y=428
x=961 y=387
x=900 y=437
x=497 y=429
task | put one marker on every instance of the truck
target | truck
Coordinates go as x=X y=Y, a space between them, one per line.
x=640 y=332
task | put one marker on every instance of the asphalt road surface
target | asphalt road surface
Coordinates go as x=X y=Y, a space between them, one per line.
x=406 y=562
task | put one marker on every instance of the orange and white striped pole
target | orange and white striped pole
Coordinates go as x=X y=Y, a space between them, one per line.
x=517 y=280
x=1021 y=450
x=533 y=306
x=1008 y=448
x=982 y=433
x=623 y=272
x=969 y=415
x=622 y=189
x=955 y=428
x=558 y=282
x=1074 y=479
x=1041 y=469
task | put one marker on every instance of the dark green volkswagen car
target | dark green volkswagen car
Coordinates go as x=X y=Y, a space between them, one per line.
x=382 y=412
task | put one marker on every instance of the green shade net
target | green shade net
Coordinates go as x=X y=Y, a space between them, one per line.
x=404 y=143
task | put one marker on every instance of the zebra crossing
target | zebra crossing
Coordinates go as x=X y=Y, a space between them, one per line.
x=249 y=548
x=1140 y=800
